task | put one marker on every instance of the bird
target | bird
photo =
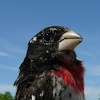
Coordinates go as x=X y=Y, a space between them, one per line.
x=51 y=70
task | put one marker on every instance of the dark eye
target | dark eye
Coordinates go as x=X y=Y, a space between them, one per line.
x=47 y=36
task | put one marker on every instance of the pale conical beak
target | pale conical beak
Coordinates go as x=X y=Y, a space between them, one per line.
x=69 y=41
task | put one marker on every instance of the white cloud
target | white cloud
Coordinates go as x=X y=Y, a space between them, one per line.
x=92 y=93
x=9 y=68
x=5 y=87
x=96 y=71
x=3 y=54
x=92 y=69
x=86 y=53
x=15 y=49
x=4 y=43
x=88 y=81
x=6 y=55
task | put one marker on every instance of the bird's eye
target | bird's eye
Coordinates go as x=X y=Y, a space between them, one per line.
x=47 y=36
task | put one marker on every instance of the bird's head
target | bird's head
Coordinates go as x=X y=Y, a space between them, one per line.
x=50 y=46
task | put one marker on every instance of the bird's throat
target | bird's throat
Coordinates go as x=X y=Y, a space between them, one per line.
x=65 y=75
x=73 y=77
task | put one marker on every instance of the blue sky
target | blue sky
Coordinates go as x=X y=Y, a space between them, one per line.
x=20 y=20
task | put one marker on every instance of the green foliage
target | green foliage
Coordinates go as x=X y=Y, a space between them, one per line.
x=6 y=96
x=99 y=97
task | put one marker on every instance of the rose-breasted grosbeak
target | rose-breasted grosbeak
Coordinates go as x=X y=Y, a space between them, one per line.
x=50 y=70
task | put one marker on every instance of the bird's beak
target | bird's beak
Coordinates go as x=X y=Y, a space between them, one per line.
x=69 y=41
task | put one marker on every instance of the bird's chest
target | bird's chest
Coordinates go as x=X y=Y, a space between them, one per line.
x=63 y=91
